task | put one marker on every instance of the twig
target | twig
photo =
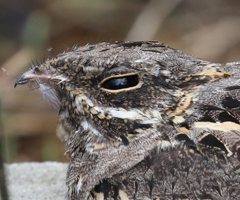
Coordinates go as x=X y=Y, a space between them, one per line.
x=3 y=185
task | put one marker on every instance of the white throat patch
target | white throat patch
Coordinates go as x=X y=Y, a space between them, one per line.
x=49 y=94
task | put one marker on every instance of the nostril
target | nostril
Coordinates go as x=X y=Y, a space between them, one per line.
x=37 y=70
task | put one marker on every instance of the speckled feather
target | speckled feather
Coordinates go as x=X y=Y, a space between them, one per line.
x=141 y=120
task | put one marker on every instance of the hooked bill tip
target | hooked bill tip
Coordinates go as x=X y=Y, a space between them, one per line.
x=15 y=85
x=21 y=80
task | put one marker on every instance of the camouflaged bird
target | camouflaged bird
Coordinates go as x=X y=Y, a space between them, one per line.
x=141 y=120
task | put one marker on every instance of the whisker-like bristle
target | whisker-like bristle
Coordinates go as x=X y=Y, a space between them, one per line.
x=49 y=94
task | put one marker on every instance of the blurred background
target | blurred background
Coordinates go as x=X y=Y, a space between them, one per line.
x=33 y=30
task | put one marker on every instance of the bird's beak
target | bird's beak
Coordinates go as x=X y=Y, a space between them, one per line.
x=25 y=77
x=39 y=74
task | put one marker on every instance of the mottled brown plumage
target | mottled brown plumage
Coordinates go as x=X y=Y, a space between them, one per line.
x=141 y=120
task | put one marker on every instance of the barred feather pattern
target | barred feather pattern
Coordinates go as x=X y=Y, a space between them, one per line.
x=141 y=120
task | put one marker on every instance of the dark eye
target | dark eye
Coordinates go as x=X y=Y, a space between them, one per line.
x=120 y=82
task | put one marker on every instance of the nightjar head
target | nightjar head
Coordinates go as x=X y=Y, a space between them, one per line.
x=107 y=89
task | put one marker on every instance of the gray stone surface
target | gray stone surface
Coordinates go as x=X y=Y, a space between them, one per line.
x=36 y=180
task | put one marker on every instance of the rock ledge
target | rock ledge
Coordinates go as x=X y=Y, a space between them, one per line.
x=34 y=180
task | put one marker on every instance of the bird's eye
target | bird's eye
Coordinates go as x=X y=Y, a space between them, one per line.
x=120 y=83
